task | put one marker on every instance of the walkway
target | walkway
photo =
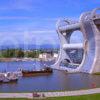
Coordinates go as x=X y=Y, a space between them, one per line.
x=49 y=94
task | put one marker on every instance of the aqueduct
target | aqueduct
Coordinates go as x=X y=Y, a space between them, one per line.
x=89 y=25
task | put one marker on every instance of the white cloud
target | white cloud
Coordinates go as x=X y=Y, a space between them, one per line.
x=31 y=37
x=43 y=31
x=17 y=5
x=14 y=17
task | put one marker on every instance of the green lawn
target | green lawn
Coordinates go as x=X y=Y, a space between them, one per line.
x=84 y=97
x=14 y=99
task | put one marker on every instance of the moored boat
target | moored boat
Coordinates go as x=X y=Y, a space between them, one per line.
x=8 y=77
x=6 y=80
x=46 y=70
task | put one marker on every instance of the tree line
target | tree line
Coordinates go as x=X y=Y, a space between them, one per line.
x=19 y=53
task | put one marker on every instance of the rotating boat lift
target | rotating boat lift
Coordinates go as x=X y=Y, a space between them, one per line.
x=89 y=25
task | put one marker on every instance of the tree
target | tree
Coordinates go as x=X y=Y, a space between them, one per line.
x=19 y=53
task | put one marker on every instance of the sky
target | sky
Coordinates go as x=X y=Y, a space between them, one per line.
x=34 y=21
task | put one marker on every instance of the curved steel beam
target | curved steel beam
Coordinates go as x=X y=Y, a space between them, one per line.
x=89 y=25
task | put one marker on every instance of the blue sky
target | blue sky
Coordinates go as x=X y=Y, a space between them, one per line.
x=33 y=21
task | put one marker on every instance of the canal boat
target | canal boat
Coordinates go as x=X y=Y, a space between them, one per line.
x=44 y=71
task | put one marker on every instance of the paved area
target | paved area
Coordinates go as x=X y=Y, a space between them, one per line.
x=49 y=94
x=16 y=95
x=72 y=93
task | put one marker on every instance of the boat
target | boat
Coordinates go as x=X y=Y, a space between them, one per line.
x=44 y=71
x=6 y=80
x=8 y=77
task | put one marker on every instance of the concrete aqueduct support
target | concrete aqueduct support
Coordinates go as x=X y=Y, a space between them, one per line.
x=89 y=25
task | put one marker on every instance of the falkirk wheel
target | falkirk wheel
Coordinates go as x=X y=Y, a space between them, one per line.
x=89 y=25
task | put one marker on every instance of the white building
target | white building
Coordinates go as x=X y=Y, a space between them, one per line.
x=48 y=56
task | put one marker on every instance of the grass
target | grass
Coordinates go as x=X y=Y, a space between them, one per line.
x=83 y=97
x=13 y=99
x=98 y=73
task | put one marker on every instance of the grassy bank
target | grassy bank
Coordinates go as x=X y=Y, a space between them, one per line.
x=14 y=99
x=83 y=97
x=98 y=73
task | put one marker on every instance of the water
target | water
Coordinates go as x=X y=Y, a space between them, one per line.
x=29 y=46
x=59 y=80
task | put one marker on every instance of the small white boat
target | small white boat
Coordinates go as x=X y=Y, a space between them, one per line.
x=8 y=77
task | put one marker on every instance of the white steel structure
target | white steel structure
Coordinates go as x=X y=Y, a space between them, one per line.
x=89 y=25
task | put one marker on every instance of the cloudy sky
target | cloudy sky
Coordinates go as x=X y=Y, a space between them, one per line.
x=33 y=21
